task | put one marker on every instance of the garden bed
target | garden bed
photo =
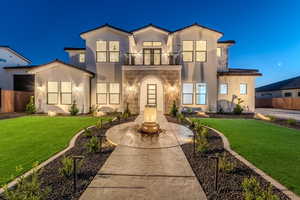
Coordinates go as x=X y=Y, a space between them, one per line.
x=229 y=184
x=62 y=187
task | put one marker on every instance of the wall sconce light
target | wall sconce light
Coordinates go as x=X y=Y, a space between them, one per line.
x=131 y=88
x=77 y=89
x=172 y=88
x=39 y=86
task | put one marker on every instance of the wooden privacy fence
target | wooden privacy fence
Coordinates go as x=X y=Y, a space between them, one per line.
x=283 y=103
x=14 y=101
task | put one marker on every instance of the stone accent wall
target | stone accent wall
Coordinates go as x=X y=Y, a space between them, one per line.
x=171 y=81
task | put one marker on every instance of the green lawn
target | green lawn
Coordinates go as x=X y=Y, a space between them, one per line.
x=26 y=140
x=274 y=149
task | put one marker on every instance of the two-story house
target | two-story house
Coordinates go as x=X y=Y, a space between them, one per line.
x=146 y=66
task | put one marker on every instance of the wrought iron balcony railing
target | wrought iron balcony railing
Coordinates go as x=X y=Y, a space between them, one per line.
x=152 y=59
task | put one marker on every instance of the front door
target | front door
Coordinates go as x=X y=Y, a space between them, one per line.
x=152 y=94
x=152 y=56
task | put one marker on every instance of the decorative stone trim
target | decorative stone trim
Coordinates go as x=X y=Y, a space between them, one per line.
x=279 y=186
x=43 y=164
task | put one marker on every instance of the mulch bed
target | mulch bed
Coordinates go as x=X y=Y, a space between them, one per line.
x=229 y=184
x=284 y=122
x=224 y=115
x=62 y=187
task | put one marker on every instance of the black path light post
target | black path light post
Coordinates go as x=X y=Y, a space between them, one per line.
x=216 y=172
x=75 y=158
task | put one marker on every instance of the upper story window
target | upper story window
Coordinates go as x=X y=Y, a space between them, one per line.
x=194 y=49
x=81 y=58
x=152 y=44
x=108 y=51
x=219 y=51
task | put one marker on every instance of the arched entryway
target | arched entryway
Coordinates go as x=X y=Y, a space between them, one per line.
x=151 y=93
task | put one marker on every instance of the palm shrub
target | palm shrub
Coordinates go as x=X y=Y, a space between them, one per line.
x=99 y=124
x=67 y=168
x=30 y=107
x=225 y=164
x=74 y=110
x=174 y=109
x=253 y=191
x=27 y=188
x=238 y=108
x=93 y=145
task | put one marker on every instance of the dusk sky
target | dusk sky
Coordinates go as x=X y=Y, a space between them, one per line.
x=267 y=32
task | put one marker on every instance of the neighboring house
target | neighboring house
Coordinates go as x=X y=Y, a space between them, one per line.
x=283 y=94
x=9 y=57
x=289 y=88
x=146 y=66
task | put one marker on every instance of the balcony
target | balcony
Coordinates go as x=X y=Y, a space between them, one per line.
x=152 y=59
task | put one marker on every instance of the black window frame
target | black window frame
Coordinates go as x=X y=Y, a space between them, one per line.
x=198 y=94
x=57 y=100
x=155 y=93
x=101 y=94
x=109 y=93
x=61 y=93
x=188 y=94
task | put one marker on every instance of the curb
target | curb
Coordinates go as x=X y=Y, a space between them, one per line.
x=279 y=186
x=43 y=164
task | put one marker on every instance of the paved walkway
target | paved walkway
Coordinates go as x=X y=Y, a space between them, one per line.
x=281 y=113
x=146 y=168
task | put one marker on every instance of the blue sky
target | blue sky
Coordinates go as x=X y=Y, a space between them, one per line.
x=267 y=32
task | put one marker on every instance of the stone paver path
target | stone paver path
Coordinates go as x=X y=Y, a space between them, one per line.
x=139 y=169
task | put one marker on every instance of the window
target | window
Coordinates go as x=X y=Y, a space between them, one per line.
x=187 y=51
x=152 y=44
x=114 y=93
x=107 y=51
x=114 y=51
x=66 y=93
x=52 y=93
x=101 y=93
x=81 y=58
x=200 y=93
x=243 y=88
x=219 y=52
x=195 y=49
x=287 y=94
x=223 y=88
x=200 y=51
x=187 y=93
x=0 y=95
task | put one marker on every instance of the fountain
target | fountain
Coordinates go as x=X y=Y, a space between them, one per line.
x=150 y=125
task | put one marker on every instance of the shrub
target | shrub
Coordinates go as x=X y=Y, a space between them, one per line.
x=99 y=124
x=87 y=132
x=201 y=143
x=253 y=191
x=30 y=107
x=238 y=108
x=221 y=110
x=204 y=132
x=225 y=164
x=74 y=110
x=180 y=117
x=27 y=188
x=174 y=109
x=67 y=169
x=271 y=117
x=93 y=145
x=291 y=121
x=126 y=112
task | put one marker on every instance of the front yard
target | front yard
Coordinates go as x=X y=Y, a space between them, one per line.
x=26 y=140
x=274 y=149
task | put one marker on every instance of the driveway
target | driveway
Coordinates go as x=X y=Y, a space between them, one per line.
x=280 y=113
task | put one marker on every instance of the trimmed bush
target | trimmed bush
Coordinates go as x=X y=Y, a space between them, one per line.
x=291 y=122
x=87 y=132
x=30 y=107
x=74 y=110
x=238 y=108
x=174 y=109
x=126 y=112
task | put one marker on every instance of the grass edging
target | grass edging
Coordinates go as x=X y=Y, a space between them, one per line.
x=278 y=185
x=14 y=182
